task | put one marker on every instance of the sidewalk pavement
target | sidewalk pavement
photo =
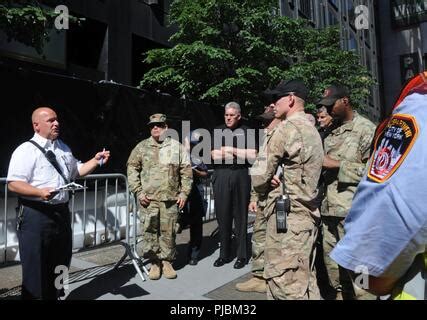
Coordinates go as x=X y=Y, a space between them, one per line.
x=92 y=276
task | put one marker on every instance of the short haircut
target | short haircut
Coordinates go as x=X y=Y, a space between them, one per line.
x=233 y=105
x=298 y=99
x=322 y=109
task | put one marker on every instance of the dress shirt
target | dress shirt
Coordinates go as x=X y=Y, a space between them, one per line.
x=29 y=164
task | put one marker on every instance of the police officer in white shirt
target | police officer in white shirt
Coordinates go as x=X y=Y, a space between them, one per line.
x=44 y=220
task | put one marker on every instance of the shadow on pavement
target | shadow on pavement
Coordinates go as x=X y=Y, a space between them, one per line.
x=209 y=246
x=110 y=282
x=11 y=294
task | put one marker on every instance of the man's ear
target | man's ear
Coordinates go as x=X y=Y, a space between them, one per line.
x=36 y=126
x=291 y=100
x=345 y=100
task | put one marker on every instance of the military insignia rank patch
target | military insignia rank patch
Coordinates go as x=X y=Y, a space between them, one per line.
x=392 y=145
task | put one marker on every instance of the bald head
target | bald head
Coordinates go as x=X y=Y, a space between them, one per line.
x=39 y=112
x=45 y=123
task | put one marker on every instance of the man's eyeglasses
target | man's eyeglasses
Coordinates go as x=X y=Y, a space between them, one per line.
x=158 y=125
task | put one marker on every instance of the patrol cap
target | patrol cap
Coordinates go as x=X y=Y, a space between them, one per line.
x=157 y=118
x=332 y=94
x=285 y=87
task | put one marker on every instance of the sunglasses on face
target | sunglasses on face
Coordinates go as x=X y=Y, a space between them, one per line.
x=158 y=125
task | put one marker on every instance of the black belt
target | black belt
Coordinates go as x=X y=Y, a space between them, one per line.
x=42 y=205
x=232 y=167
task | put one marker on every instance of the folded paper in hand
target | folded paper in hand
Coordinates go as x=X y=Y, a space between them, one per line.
x=70 y=187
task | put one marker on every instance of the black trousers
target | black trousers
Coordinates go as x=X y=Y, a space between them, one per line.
x=193 y=216
x=232 y=192
x=45 y=242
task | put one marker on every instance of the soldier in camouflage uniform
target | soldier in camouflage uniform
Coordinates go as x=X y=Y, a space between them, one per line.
x=346 y=153
x=296 y=144
x=159 y=174
x=257 y=204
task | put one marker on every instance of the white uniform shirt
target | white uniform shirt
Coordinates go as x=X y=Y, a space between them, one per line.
x=29 y=164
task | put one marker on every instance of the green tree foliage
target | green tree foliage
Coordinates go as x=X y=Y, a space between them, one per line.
x=234 y=49
x=28 y=22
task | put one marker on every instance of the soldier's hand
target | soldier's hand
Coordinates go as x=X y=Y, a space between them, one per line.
x=180 y=202
x=144 y=200
x=329 y=163
x=252 y=206
x=275 y=182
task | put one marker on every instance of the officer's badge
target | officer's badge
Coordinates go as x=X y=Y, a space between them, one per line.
x=392 y=146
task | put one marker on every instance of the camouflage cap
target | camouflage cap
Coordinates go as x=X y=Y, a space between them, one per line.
x=157 y=118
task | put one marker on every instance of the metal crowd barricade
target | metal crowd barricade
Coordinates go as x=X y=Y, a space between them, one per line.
x=91 y=207
x=130 y=249
x=4 y=221
x=132 y=242
x=100 y=215
x=208 y=197
x=97 y=217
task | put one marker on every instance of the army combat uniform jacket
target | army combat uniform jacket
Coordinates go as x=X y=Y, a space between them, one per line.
x=259 y=167
x=265 y=206
x=161 y=171
x=350 y=144
x=296 y=144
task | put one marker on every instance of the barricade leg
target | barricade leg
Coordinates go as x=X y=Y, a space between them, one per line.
x=131 y=248
x=135 y=260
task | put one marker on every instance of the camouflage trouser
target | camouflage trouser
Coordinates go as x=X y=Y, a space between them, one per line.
x=333 y=231
x=258 y=242
x=289 y=257
x=158 y=230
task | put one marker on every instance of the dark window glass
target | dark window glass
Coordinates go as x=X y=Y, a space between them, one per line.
x=334 y=3
x=305 y=9
x=332 y=19
x=408 y=12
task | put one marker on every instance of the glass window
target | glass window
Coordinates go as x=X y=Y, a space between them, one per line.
x=367 y=35
x=332 y=18
x=334 y=3
x=352 y=42
x=368 y=60
x=350 y=12
x=305 y=9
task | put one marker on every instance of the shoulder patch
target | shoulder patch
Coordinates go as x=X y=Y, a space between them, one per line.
x=392 y=145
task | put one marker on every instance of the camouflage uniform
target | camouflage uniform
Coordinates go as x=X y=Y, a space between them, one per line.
x=350 y=144
x=162 y=172
x=260 y=224
x=289 y=256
